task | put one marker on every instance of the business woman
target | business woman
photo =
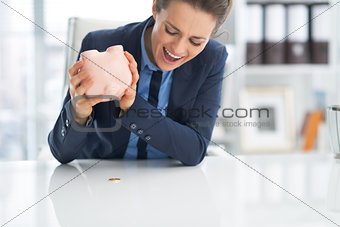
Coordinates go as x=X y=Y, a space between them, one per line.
x=170 y=109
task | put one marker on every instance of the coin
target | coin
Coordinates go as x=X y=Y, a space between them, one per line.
x=115 y=179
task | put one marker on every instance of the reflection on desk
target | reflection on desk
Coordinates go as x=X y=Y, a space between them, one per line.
x=147 y=195
x=220 y=192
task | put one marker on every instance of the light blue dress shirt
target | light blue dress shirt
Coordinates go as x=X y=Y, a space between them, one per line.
x=147 y=67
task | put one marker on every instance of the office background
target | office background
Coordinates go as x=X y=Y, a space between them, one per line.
x=32 y=73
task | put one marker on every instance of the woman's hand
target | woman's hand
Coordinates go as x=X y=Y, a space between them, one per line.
x=80 y=82
x=130 y=93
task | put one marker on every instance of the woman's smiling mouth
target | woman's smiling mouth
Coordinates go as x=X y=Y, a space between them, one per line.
x=170 y=58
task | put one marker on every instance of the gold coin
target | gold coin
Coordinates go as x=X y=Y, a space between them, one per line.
x=116 y=180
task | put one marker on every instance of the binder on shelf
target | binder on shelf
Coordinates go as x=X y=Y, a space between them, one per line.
x=297 y=41
x=320 y=34
x=304 y=124
x=254 y=34
x=311 y=130
x=275 y=32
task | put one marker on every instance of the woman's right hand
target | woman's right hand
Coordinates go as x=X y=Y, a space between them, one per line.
x=80 y=82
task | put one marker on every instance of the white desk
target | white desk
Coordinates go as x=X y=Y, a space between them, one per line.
x=219 y=192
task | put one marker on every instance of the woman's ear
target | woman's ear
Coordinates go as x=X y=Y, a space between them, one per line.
x=154 y=9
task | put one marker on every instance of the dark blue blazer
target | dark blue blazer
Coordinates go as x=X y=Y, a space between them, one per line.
x=182 y=134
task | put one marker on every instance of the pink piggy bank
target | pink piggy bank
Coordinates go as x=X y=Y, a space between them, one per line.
x=110 y=70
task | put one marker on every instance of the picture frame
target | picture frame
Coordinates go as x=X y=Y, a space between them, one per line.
x=269 y=125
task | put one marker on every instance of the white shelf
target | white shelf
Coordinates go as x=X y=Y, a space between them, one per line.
x=306 y=80
x=279 y=70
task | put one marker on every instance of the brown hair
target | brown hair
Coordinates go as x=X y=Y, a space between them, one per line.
x=220 y=9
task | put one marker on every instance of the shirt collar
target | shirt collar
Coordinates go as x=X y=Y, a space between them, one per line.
x=145 y=61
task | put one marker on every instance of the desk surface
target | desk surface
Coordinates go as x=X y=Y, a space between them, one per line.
x=222 y=191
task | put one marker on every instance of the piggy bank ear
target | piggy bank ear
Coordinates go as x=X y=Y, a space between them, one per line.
x=115 y=48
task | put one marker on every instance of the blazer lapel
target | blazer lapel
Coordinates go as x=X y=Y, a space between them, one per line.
x=133 y=44
x=181 y=78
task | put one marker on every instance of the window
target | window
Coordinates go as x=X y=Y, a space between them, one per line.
x=32 y=66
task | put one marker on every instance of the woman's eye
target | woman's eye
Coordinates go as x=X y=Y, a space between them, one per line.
x=195 y=44
x=169 y=32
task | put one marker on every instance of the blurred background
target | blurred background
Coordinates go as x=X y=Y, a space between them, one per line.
x=275 y=63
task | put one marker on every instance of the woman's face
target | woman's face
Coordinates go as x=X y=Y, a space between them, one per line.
x=179 y=34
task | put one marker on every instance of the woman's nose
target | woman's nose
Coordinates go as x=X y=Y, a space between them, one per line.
x=179 y=47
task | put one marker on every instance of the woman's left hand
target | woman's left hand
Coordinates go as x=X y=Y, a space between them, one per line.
x=130 y=93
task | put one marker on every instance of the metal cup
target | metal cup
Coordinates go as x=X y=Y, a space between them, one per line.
x=333 y=122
